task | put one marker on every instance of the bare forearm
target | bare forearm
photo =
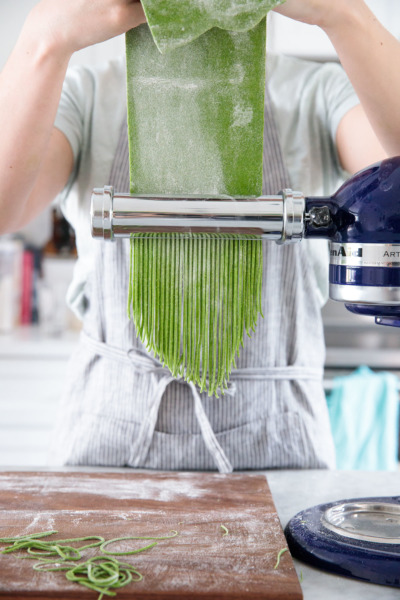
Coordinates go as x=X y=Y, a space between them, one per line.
x=370 y=56
x=30 y=88
x=34 y=161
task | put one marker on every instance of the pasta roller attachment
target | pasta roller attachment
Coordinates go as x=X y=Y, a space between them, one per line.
x=361 y=221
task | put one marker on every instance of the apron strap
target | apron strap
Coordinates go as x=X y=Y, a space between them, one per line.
x=221 y=460
x=142 y=445
x=145 y=363
x=297 y=372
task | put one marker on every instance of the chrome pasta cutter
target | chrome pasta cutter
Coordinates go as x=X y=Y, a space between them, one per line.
x=361 y=221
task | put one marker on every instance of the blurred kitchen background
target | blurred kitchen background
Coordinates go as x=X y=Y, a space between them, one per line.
x=38 y=332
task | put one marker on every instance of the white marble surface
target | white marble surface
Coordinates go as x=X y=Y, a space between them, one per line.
x=294 y=491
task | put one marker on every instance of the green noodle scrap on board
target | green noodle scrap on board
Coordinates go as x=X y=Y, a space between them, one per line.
x=225 y=530
x=102 y=573
x=195 y=127
x=278 y=558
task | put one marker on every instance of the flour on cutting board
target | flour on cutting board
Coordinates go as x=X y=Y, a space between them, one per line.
x=251 y=544
x=36 y=522
x=163 y=490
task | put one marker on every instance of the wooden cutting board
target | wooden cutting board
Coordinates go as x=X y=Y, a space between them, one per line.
x=200 y=562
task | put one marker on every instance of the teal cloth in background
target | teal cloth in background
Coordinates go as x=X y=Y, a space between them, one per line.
x=364 y=413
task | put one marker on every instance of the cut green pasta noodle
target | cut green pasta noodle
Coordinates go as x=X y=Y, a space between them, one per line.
x=37 y=547
x=100 y=573
x=278 y=558
x=194 y=299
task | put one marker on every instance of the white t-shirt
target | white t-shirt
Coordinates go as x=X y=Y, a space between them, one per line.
x=309 y=100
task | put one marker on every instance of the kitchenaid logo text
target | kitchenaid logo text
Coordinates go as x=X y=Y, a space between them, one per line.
x=391 y=254
x=342 y=252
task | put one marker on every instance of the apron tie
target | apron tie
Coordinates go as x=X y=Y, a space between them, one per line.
x=148 y=364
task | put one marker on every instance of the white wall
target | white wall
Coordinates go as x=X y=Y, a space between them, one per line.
x=307 y=41
x=12 y=16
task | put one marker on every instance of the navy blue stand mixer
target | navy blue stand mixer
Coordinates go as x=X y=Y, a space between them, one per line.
x=357 y=538
x=361 y=220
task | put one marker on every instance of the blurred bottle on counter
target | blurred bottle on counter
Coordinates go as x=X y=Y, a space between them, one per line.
x=11 y=264
x=59 y=255
x=62 y=241
x=36 y=267
x=30 y=285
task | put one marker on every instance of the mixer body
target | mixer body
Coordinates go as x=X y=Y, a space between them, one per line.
x=364 y=233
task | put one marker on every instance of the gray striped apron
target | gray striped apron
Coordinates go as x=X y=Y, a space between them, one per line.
x=122 y=408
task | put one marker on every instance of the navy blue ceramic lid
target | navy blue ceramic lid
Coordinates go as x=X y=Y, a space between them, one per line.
x=357 y=538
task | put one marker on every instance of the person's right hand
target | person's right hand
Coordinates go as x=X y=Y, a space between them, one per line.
x=70 y=25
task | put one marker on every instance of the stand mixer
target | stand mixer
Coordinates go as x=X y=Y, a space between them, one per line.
x=360 y=537
x=361 y=221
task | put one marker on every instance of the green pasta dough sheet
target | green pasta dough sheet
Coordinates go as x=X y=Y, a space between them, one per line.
x=195 y=125
x=174 y=23
x=196 y=114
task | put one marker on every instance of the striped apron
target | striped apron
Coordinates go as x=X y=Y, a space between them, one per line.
x=122 y=408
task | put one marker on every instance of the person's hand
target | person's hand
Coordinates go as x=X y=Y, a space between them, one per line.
x=313 y=12
x=69 y=25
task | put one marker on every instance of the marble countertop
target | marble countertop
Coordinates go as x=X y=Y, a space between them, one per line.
x=294 y=491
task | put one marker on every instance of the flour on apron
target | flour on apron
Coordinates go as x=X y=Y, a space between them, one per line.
x=121 y=408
